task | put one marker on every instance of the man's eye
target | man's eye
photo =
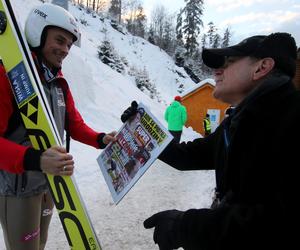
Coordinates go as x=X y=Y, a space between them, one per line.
x=231 y=60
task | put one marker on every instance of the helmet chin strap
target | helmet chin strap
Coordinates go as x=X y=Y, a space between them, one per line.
x=41 y=63
x=51 y=72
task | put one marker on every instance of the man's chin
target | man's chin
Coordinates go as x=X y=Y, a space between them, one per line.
x=217 y=94
x=58 y=65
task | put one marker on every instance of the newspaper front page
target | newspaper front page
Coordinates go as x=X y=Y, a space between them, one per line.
x=139 y=142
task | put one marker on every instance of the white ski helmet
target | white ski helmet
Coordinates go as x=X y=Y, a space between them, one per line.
x=49 y=15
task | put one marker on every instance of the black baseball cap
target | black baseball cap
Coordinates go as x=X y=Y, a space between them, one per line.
x=279 y=46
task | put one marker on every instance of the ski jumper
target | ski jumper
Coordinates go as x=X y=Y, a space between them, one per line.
x=25 y=203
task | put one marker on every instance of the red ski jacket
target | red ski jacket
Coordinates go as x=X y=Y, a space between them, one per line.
x=11 y=153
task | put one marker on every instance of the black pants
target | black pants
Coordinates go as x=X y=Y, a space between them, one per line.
x=177 y=135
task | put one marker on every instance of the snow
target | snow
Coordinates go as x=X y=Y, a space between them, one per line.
x=198 y=85
x=101 y=95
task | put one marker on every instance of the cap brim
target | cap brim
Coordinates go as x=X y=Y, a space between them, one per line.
x=215 y=58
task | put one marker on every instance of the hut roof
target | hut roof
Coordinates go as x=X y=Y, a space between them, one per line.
x=199 y=85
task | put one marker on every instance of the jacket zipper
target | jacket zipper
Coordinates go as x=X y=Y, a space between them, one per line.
x=16 y=183
x=24 y=182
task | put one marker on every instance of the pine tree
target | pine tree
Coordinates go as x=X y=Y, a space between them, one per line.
x=169 y=36
x=216 y=41
x=136 y=19
x=115 y=10
x=118 y=64
x=105 y=53
x=151 y=35
x=180 y=56
x=203 y=41
x=226 y=38
x=179 y=35
x=108 y=56
x=158 y=18
x=143 y=82
x=140 y=22
x=211 y=33
x=192 y=23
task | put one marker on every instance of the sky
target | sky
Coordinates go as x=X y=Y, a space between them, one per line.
x=245 y=17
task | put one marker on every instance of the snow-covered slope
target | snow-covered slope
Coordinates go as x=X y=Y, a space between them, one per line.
x=101 y=94
x=95 y=84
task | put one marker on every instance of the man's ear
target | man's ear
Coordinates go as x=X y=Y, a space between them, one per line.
x=264 y=66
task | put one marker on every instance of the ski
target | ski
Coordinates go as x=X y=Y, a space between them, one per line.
x=39 y=122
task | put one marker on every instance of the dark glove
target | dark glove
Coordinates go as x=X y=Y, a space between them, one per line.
x=129 y=112
x=32 y=159
x=100 y=137
x=167 y=229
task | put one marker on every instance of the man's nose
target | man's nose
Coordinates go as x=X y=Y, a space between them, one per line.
x=218 y=71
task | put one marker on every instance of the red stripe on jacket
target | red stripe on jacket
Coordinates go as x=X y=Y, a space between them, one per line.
x=78 y=129
x=12 y=154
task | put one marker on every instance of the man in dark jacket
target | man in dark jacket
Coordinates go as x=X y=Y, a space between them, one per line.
x=253 y=152
x=25 y=202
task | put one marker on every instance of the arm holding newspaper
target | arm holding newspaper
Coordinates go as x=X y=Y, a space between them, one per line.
x=214 y=228
x=183 y=156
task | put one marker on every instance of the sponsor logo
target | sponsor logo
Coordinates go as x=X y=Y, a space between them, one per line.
x=60 y=97
x=63 y=200
x=31 y=236
x=30 y=110
x=40 y=13
x=47 y=212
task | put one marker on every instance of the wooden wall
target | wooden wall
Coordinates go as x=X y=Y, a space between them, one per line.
x=197 y=103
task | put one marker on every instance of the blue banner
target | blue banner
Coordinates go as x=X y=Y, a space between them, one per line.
x=21 y=84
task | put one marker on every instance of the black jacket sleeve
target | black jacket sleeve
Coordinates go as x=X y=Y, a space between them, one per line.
x=194 y=155
x=235 y=227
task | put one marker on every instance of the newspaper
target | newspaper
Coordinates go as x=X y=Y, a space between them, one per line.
x=139 y=142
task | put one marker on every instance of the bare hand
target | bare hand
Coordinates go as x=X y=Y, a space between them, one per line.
x=110 y=137
x=57 y=161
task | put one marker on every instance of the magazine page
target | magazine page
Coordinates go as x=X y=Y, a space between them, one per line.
x=139 y=142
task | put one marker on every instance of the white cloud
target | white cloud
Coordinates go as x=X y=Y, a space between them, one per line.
x=250 y=17
x=277 y=21
x=230 y=5
x=270 y=18
x=226 y=5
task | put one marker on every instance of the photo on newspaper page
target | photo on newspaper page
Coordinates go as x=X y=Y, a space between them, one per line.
x=139 y=142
